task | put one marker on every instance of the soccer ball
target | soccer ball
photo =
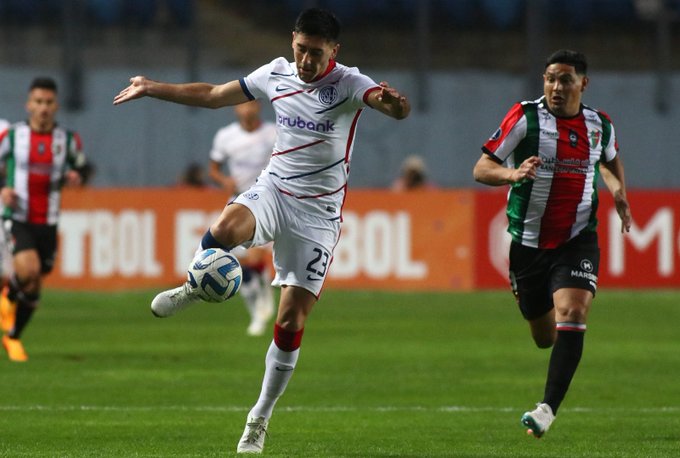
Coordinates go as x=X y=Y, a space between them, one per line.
x=215 y=275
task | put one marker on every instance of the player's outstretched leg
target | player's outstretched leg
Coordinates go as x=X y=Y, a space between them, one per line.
x=169 y=302
x=538 y=421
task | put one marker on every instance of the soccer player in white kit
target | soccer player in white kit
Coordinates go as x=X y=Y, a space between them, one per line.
x=245 y=146
x=297 y=200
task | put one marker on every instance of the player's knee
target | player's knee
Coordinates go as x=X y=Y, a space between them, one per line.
x=29 y=282
x=573 y=313
x=228 y=232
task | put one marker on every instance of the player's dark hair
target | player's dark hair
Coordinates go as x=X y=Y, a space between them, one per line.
x=43 y=83
x=319 y=23
x=568 y=57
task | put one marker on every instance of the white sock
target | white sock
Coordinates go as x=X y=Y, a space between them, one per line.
x=279 y=367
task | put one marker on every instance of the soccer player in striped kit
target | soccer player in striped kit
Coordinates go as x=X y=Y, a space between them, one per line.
x=297 y=200
x=551 y=152
x=40 y=157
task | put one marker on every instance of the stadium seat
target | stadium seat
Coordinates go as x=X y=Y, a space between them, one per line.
x=140 y=12
x=620 y=11
x=181 y=11
x=505 y=13
x=105 y=12
x=24 y=11
x=578 y=13
x=346 y=11
x=459 y=12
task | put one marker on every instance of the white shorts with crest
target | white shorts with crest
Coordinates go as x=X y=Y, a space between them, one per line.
x=303 y=243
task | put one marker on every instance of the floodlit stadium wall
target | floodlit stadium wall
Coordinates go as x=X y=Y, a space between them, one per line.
x=442 y=240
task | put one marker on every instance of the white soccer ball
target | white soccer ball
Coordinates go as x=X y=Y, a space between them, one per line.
x=215 y=275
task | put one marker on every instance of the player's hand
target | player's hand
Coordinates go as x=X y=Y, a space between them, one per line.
x=9 y=197
x=390 y=96
x=527 y=170
x=136 y=89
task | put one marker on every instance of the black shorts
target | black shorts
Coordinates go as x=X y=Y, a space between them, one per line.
x=39 y=237
x=535 y=274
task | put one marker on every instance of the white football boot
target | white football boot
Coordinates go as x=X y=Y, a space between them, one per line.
x=253 y=437
x=538 y=421
x=169 y=302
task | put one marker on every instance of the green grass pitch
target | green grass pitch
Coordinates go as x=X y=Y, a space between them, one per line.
x=379 y=375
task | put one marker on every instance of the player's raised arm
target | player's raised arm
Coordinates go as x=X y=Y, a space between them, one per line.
x=389 y=101
x=194 y=94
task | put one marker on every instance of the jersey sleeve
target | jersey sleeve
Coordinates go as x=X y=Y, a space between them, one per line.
x=611 y=149
x=505 y=139
x=360 y=86
x=255 y=84
x=5 y=144
x=76 y=157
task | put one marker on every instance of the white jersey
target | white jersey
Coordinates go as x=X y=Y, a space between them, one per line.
x=245 y=153
x=316 y=125
x=3 y=124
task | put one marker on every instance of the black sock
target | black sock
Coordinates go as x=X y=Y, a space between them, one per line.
x=13 y=289
x=25 y=311
x=566 y=354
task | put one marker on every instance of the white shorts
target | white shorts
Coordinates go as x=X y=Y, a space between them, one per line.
x=303 y=243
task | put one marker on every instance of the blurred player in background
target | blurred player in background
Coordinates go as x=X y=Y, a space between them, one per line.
x=245 y=147
x=297 y=200
x=193 y=176
x=5 y=237
x=550 y=151
x=39 y=157
x=412 y=175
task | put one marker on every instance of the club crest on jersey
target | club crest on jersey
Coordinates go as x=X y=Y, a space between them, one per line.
x=573 y=138
x=328 y=95
x=594 y=136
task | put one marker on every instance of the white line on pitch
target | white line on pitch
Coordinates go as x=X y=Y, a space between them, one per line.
x=463 y=409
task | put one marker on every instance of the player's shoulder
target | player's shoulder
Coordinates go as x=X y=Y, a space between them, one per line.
x=590 y=112
x=282 y=66
x=18 y=126
x=343 y=71
x=66 y=131
x=531 y=104
x=519 y=109
x=348 y=80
